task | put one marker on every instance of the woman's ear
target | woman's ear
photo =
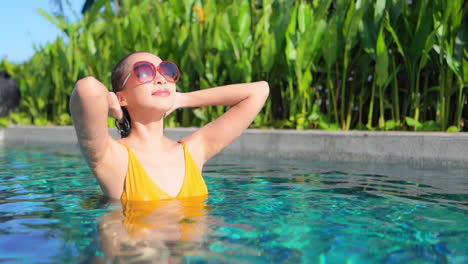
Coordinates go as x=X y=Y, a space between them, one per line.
x=122 y=100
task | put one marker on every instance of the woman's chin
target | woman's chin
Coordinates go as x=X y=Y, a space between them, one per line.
x=164 y=103
x=153 y=107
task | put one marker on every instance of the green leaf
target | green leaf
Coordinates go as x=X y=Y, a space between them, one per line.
x=20 y=118
x=200 y=114
x=268 y=51
x=423 y=32
x=427 y=48
x=465 y=68
x=412 y=122
x=244 y=21
x=430 y=126
x=311 y=44
x=327 y=126
x=390 y=29
x=379 y=10
x=368 y=36
x=453 y=129
x=391 y=124
x=290 y=50
x=304 y=83
x=4 y=121
x=56 y=20
x=381 y=68
x=315 y=115
x=330 y=50
x=65 y=119
x=303 y=16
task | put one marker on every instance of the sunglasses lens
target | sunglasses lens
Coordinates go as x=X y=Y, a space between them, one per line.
x=145 y=72
x=169 y=70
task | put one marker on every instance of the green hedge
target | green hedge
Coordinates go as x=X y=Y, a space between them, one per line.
x=331 y=64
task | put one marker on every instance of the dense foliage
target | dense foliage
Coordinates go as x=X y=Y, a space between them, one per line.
x=331 y=64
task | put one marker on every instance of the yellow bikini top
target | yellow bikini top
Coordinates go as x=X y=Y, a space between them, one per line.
x=140 y=187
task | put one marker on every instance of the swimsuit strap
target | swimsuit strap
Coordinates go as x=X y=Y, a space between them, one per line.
x=194 y=184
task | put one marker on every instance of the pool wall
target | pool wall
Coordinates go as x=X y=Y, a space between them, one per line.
x=407 y=147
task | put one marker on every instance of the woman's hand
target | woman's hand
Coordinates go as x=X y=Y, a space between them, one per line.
x=114 y=106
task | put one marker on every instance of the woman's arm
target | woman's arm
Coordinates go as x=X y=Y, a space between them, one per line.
x=246 y=99
x=89 y=107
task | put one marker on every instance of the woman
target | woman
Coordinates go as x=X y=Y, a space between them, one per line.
x=144 y=164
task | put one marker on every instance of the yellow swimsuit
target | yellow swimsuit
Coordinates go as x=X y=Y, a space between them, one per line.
x=140 y=187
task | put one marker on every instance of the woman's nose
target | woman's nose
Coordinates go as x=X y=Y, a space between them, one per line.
x=159 y=79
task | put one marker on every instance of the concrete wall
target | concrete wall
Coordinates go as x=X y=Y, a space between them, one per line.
x=406 y=147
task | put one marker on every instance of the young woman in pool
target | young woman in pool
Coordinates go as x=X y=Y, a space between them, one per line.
x=145 y=165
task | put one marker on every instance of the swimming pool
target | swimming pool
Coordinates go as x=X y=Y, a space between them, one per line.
x=260 y=210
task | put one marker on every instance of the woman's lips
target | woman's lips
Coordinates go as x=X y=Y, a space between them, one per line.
x=162 y=93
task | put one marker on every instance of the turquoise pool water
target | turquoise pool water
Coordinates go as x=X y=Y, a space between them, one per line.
x=259 y=211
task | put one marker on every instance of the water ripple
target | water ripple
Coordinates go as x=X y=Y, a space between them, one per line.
x=259 y=211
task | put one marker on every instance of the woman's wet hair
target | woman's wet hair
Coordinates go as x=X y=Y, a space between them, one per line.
x=117 y=78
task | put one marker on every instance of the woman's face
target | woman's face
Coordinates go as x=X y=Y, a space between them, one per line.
x=155 y=96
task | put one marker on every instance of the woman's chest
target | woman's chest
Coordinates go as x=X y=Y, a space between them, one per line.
x=168 y=173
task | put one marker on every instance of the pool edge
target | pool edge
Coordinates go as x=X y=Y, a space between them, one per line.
x=406 y=147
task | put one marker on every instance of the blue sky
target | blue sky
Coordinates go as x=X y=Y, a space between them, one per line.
x=22 y=26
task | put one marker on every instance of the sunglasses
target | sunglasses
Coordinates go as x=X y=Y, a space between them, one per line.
x=145 y=72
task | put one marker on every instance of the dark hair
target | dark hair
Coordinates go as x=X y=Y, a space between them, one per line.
x=117 y=78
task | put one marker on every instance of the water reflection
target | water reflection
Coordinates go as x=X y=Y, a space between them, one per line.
x=159 y=231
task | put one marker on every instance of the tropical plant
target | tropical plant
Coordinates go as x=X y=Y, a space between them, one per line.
x=331 y=64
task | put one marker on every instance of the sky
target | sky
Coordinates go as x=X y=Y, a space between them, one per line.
x=22 y=26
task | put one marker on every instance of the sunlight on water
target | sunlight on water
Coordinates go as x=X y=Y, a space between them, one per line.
x=259 y=211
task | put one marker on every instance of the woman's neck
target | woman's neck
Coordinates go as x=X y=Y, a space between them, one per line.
x=148 y=135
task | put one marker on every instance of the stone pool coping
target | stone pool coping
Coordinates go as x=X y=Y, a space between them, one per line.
x=402 y=147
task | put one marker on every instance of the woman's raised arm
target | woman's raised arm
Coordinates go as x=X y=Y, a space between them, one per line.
x=89 y=107
x=246 y=99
